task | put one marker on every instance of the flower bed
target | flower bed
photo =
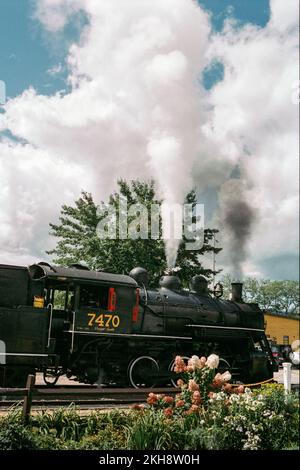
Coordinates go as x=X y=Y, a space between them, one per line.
x=208 y=413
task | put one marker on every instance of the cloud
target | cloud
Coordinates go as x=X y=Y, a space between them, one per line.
x=255 y=118
x=137 y=109
x=55 y=70
x=33 y=186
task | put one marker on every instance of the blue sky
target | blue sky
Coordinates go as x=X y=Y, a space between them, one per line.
x=26 y=52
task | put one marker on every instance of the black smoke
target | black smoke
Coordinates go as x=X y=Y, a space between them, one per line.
x=237 y=217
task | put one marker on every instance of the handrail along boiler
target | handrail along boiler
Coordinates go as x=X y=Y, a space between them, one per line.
x=99 y=327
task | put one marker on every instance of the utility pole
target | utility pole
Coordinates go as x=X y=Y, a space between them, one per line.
x=214 y=258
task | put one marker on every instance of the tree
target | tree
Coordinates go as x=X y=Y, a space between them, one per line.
x=78 y=240
x=275 y=296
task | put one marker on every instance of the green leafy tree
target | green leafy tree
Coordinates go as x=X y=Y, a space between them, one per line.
x=275 y=296
x=78 y=240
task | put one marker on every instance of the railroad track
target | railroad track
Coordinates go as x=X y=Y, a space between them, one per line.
x=85 y=396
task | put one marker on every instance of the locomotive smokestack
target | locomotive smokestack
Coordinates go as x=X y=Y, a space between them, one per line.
x=236 y=292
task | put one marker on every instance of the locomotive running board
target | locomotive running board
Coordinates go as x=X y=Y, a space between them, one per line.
x=127 y=335
x=226 y=327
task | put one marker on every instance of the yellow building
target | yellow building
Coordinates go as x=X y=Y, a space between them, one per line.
x=281 y=329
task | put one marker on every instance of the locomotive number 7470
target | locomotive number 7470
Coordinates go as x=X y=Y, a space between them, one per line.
x=104 y=320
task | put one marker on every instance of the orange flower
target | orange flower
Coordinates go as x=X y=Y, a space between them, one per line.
x=227 y=388
x=193 y=409
x=168 y=412
x=152 y=398
x=179 y=403
x=241 y=389
x=167 y=399
x=138 y=407
x=217 y=383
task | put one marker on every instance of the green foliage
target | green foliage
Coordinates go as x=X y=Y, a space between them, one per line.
x=151 y=431
x=13 y=434
x=275 y=296
x=78 y=239
x=263 y=419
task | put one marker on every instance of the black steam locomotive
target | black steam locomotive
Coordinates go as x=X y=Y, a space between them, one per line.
x=98 y=327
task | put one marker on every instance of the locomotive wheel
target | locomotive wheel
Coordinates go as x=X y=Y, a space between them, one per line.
x=143 y=372
x=50 y=377
x=223 y=366
x=171 y=369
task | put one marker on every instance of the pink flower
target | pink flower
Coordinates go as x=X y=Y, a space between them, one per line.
x=197 y=398
x=193 y=386
x=179 y=365
x=212 y=361
x=226 y=376
x=202 y=361
x=194 y=363
x=218 y=376
x=241 y=389
x=180 y=383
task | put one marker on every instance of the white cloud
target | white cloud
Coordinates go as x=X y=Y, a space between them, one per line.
x=256 y=120
x=33 y=187
x=55 y=70
x=135 y=95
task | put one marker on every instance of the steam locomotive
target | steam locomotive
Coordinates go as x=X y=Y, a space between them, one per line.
x=99 y=327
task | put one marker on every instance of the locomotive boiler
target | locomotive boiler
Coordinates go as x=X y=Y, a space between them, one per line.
x=99 y=327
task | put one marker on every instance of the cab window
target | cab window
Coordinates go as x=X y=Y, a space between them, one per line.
x=93 y=297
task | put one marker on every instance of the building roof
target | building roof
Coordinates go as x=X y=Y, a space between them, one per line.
x=287 y=316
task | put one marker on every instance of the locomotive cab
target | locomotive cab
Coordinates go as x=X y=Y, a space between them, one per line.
x=86 y=309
